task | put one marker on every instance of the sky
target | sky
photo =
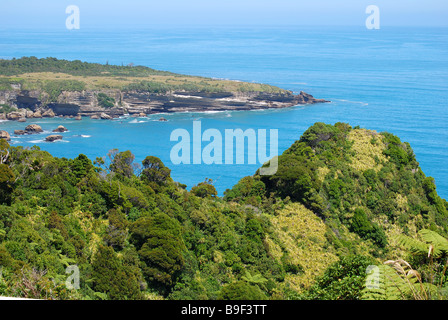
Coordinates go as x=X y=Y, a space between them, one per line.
x=113 y=14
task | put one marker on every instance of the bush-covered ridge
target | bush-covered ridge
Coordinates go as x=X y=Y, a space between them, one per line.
x=32 y=73
x=341 y=201
x=76 y=67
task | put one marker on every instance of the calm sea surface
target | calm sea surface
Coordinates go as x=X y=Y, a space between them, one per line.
x=393 y=79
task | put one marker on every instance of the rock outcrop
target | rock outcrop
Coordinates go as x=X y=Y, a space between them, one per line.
x=53 y=138
x=33 y=128
x=105 y=116
x=15 y=115
x=48 y=114
x=60 y=129
x=37 y=114
x=150 y=103
x=5 y=135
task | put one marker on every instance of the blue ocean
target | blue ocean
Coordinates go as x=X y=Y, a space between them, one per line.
x=392 y=79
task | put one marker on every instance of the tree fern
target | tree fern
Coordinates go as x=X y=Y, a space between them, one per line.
x=100 y=295
x=66 y=261
x=378 y=286
x=257 y=279
x=415 y=246
x=431 y=244
x=439 y=243
x=395 y=280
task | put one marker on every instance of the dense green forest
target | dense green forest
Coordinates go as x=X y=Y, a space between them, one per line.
x=349 y=215
x=76 y=68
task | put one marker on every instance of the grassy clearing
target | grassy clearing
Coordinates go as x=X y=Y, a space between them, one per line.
x=368 y=146
x=302 y=236
x=39 y=80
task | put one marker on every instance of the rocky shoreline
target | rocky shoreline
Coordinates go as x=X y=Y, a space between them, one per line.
x=32 y=104
x=34 y=129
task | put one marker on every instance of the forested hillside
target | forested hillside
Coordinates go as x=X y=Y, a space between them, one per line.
x=343 y=202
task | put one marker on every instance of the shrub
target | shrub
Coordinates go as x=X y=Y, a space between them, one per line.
x=204 y=189
x=343 y=280
x=54 y=88
x=105 y=101
x=361 y=225
x=241 y=291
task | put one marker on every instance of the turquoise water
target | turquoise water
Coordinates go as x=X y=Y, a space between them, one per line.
x=393 y=79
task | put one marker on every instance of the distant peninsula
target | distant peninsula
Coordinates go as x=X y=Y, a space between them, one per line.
x=50 y=87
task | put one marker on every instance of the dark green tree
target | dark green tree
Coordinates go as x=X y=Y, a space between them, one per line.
x=366 y=229
x=122 y=164
x=154 y=170
x=81 y=166
x=117 y=231
x=110 y=277
x=160 y=246
x=6 y=183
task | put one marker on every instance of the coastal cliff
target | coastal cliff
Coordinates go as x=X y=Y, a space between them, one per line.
x=32 y=104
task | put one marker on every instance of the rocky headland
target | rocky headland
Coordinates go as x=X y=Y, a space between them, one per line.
x=49 y=87
x=31 y=104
